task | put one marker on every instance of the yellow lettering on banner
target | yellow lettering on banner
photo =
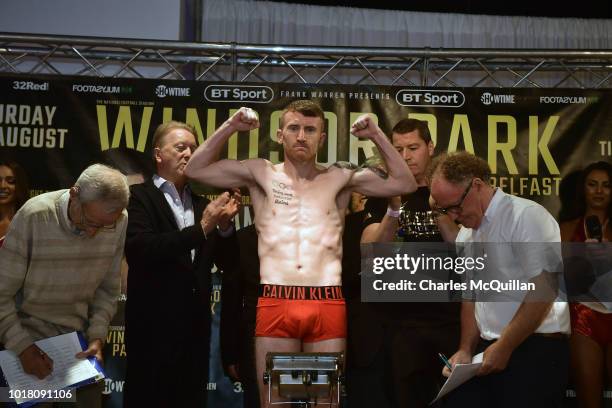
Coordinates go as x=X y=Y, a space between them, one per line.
x=211 y=122
x=119 y=350
x=50 y=113
x=37 y=137
x=495 y=145
x=605 y=147
x=534 y=186
x=123 y=125
x=541 y=145
x=145 y=123
x=461 y=126
x=62 y=133
x=102 y=127
x=274 y=124
x=167 y=115
x=215 y=298
x=355 y=144
x=432 y=123
x=191 y=118
x=37 y=117
x=115 y=336
x=522 y=184
x=331 y=140
x=11 y=114
x=25 y=113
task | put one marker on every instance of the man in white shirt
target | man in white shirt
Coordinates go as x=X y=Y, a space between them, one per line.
x=524 y=340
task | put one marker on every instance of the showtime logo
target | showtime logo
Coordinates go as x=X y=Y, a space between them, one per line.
x=111 y=386
x=162 y=91
x=440 y=98
x=488 y=98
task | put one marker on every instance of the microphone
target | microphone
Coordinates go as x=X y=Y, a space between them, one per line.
x=593 y=227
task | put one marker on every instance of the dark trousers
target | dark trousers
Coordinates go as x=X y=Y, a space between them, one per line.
x=536 y=377
x=165 y=383
x=406 y=371
x=167 y=374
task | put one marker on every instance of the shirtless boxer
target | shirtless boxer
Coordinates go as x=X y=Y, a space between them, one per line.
x=300 y=208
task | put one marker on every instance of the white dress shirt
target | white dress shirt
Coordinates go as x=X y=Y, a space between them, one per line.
x=182 y=207
x=510 y=219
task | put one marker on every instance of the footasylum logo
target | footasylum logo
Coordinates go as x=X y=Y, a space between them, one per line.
x=488 y=98
x=101 y=89
x=238 y=93
x=567 y=100
x=431 y=97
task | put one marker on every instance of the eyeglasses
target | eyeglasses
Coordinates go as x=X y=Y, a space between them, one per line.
x=87 y=223
x=456 y=208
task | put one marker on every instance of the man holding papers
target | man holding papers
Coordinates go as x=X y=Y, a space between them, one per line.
x=524 y=337
x=59 y=268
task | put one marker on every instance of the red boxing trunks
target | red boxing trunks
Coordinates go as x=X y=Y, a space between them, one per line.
x=308 y=313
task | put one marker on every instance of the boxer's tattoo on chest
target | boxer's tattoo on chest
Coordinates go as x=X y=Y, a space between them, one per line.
x=281 y=192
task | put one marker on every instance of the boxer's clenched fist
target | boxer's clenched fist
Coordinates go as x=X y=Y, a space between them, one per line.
x=244 y=119
x=364 y=127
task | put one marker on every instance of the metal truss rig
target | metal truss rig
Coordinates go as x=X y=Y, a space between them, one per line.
x=231 y=62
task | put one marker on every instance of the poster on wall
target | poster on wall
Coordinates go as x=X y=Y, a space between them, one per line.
x=532 y=139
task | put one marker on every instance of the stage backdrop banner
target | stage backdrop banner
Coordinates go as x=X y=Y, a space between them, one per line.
x=55 y=127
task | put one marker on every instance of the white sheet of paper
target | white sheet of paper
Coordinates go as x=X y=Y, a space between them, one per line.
x=67 y=369
x=460 y=374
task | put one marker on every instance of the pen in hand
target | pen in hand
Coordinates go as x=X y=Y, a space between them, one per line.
x=446 y=362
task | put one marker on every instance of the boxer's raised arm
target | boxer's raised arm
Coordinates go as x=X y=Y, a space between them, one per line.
x=398 y=178
x=203 y=166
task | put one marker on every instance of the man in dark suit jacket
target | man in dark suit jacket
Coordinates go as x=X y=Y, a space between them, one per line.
x=173 y=238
